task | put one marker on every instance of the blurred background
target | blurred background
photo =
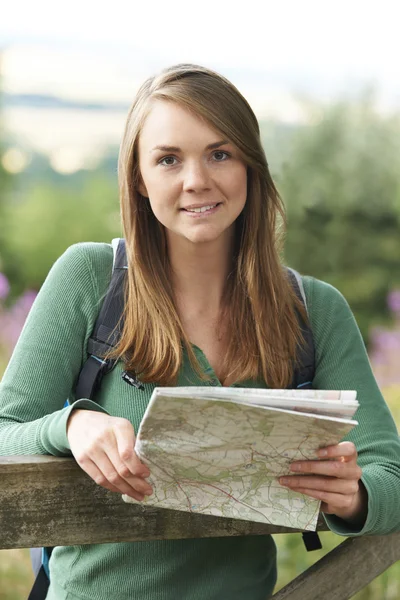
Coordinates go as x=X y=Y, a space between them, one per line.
x=324 y=81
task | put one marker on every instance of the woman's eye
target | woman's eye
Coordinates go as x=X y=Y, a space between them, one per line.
x=167 y=161
x=219 y=155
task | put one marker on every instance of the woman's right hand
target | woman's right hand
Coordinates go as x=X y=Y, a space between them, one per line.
x=103 y=447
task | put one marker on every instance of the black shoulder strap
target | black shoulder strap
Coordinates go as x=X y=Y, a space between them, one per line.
x=40 y=586
x=305 y=369
x=303 y=377
x=107 y=330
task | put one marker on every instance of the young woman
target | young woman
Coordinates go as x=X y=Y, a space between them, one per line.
x=208 y=301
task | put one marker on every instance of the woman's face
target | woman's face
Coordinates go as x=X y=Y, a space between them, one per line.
x=195 y=180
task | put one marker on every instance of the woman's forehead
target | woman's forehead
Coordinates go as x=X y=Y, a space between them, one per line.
x=170 y=124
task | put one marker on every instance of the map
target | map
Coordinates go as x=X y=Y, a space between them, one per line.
x=223 y=458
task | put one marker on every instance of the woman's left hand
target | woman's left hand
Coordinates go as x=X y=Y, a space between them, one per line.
x=334 y=479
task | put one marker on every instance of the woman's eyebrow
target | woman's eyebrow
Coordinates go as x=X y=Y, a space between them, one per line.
x=217 y=144
x=177 y=149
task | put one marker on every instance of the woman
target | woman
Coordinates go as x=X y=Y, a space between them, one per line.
x=207 y=302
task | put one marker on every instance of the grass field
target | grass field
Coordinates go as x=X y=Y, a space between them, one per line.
x=16 y=576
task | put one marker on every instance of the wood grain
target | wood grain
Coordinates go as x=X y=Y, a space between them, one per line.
x=345 y=570
x=48 y=501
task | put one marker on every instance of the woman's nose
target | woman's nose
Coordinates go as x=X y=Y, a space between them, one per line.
x=196 y=177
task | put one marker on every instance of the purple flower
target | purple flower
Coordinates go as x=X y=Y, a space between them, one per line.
x=385 y=346
x=12 y=320
x=393 y=301
x=4 y=287
x=24 y=303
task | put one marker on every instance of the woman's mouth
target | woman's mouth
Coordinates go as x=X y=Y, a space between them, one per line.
x=202 y=210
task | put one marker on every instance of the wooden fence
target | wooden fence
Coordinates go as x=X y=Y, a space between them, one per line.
x=48 y=501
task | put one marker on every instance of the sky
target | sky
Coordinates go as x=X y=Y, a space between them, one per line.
x=337 y=40
x=273 y=51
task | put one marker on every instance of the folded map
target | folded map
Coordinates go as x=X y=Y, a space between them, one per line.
x=220 y=451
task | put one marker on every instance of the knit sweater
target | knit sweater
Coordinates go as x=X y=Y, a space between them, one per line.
x=41 y=374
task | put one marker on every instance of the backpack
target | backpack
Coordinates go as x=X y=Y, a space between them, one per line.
x=105 y=335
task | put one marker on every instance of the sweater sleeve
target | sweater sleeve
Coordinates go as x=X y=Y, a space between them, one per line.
x=342 y=364
x=46 y=361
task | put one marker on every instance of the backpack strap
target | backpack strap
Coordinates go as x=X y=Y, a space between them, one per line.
x=305 y=368
x=107 y=329
x=303 y=376
x=40 y=586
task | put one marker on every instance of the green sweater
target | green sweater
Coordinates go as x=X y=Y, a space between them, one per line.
x=40 y=376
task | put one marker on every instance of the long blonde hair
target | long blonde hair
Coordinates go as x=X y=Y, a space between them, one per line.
x=261 y=315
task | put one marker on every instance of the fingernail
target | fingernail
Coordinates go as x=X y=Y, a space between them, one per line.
x=322 y=452
x=295 y=467
x=284 y=480
x=144 y=487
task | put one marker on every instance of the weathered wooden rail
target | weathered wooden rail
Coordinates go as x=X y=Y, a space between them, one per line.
x=47 y=501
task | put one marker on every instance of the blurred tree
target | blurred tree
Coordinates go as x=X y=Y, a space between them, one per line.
x=5 y=185
x=48 y=219
x=277 y=140
x=341 y=185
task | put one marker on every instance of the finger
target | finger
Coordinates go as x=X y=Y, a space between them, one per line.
x=125 y=440
x=100 y=478
x=332 y=503
x=326 y=484
x=329 y=468
x=118 y=474
x=108 y=460
x=343 y=449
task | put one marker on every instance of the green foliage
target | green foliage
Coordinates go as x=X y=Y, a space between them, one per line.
x=45 y=220
x=341 y=184
x=5 y=185
x=16 y=575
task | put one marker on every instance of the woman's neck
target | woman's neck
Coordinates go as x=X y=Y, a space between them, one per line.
x=199 y=274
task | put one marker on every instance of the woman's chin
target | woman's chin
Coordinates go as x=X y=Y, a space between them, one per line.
x=203 y=237
x=200 y=236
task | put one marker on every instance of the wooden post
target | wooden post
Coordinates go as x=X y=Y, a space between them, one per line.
x=48 y=501
x=345 y=570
